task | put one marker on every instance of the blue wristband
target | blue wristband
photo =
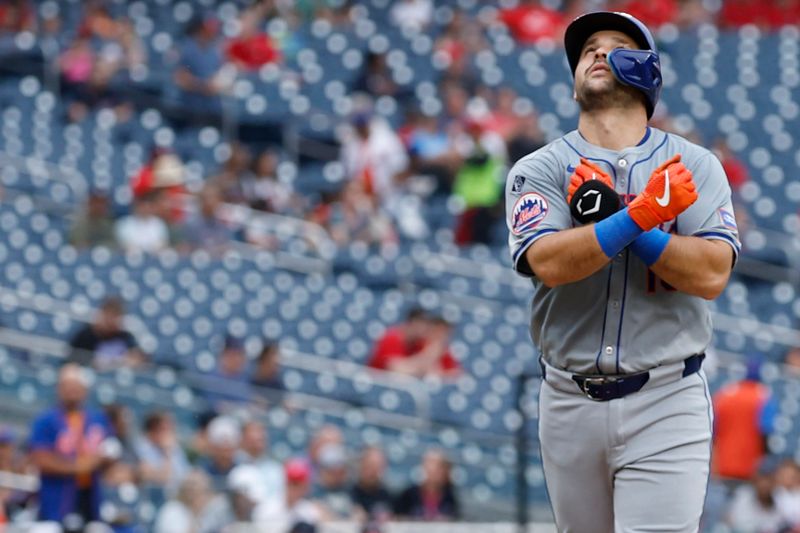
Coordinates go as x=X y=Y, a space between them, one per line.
x=650 y=245
x=616 y=232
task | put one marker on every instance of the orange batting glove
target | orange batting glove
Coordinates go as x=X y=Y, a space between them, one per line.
x=668 y=193
x=584 y=172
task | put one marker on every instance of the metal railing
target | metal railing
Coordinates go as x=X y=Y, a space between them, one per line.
x=340 y=369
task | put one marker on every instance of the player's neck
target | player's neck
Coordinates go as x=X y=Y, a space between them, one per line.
x=610 y=129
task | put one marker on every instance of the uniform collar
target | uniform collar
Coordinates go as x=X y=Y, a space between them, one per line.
x=645 y=146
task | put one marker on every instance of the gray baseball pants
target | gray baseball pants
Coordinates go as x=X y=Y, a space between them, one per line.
x=635 y=464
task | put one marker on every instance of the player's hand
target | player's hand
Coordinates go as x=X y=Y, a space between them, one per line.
x=584 y=172
x=669 y=193
x=591 y=195
x=86 y=464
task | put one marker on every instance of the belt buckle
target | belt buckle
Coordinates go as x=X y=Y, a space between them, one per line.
x=598 y=381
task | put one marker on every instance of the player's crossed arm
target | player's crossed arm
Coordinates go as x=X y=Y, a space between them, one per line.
x=690 y=264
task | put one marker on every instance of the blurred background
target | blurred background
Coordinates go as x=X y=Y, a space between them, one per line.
x=254 y=264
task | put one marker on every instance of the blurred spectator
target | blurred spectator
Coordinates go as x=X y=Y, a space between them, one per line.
x=162 y=462
x=121 y=497
x=229 y=180
x=373 y=155
x=117 y=45
x=200 y=75
x=119 y=420
x=331 y=485
x=354 y=217
x=204 y=230
x=479 y=185
x=653 y=13
x=104 y=343
x=164 y=173
x=531 y=22
x=228 y=385
x=93 y=226
x=693 y=13
x=263 y=190
x=324 y=436
x=460 y=41
x=369 y=491
x=526 y=139
x=103 y=47
x=455 y=98
x=417 y=347
x=253 y=48
x=11 y=463
x=413 y=14
x=70 y=445
x=191 y=510
x=752 y=509
x=736 y=171
x=224 y=437
x=502 y=119
x=297 y=512
x=744 y=416
x=375 y=78
x=786 y=491
x=433 y=151
x=434 y=498
x=792 y=357
x=76 y=67
x=142 y=230
x=254 y=451
x=765 y=15
x=266 y=376
x=198 y=446
x=232 y=509
x=17 y=16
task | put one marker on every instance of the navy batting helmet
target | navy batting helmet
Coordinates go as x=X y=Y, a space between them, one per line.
x=638 y=68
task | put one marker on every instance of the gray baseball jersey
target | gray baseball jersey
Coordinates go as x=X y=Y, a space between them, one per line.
x=621 y=319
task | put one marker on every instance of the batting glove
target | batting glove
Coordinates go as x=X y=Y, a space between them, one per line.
x=669 y=193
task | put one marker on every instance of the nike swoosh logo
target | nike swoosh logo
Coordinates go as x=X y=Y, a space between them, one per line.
x=570 y=169
x=663 y=200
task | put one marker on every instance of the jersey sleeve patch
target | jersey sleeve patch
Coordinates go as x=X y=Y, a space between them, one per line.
x=519 y=182
x=529 y=211
x=727 y=219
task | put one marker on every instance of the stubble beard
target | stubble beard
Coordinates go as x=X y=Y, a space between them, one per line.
x=609 y=95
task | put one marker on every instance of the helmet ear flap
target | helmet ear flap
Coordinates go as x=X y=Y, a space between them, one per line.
x=640 y=69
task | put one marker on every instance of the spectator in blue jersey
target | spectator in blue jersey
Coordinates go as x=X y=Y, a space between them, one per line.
x=200 y=68
x=70 y=444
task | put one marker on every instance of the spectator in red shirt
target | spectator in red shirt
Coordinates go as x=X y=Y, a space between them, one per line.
x=417 y=347
x=735 y=13
x=531 y=22
x=654 y=13
x=253 y=48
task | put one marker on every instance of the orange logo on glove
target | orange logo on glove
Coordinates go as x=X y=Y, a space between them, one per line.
x=584 y=172
x=669 y=193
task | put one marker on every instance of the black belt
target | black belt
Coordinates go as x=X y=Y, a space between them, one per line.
x=605 y=388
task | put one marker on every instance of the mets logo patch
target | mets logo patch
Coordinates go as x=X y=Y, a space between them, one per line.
x=528 y=212
x=728 y=219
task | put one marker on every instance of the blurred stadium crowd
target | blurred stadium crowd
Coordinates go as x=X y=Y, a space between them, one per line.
x=346 y=132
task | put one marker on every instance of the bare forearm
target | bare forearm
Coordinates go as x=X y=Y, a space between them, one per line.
x=566 y=256
x=49 y=463
x=695 y=266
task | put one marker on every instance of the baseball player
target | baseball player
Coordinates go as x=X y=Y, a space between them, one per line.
x=624 y=231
